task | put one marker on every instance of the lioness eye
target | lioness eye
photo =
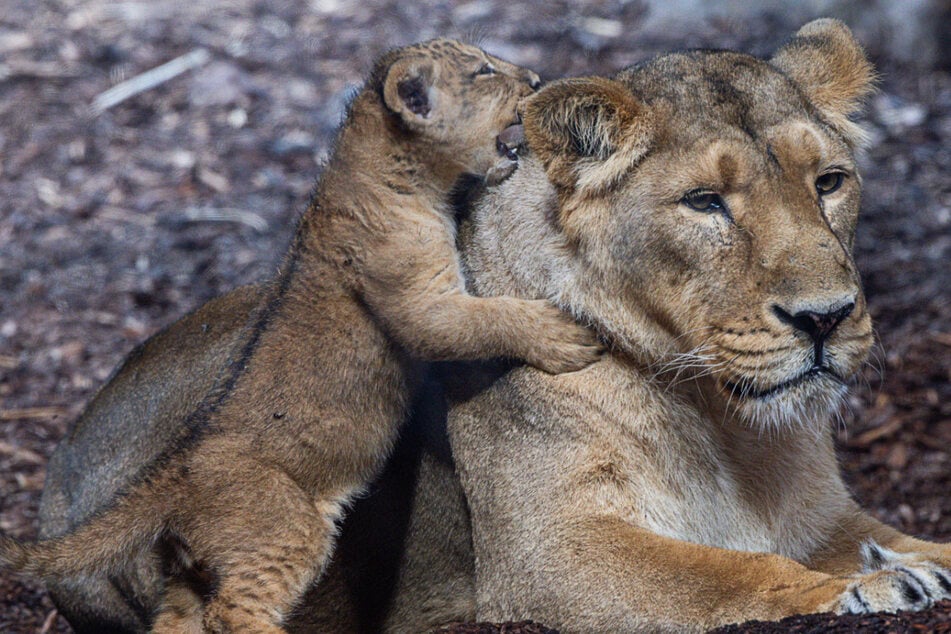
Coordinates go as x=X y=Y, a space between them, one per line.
x=703 y=200
x=829 y=182
x=486 y=69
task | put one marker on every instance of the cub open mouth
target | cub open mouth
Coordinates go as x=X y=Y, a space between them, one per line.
x=748 y=391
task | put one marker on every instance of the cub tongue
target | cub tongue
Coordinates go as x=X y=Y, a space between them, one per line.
x=509 y=140
x=513 y=136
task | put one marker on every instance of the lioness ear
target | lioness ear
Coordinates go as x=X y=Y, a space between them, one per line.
x=588 y=132
x=830 y=67
x=408 y=90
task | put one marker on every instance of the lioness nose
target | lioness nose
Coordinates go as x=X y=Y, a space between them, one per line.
x=817 y=325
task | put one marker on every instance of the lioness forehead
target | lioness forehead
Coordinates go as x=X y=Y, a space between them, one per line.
x=793 y=146
x=703 y=91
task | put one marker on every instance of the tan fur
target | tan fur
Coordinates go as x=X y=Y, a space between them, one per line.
x=689 y=480
x=250 y=494
x=627 y=497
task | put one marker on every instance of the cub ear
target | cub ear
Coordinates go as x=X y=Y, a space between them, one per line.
x=830 y=67
x=408 y=90
x=588 y=132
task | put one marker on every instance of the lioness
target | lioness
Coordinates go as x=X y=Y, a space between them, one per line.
x=700 y=209
x=246 y=501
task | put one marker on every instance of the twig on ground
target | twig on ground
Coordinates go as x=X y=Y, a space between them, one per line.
x=21 y=454
x=41 y=70
x=208 y=214
x=942 y=337
x=149 y=79
x=30 y=413
x=49 y=622
x=876 y=433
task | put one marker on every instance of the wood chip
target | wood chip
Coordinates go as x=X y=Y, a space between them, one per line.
x=15 y=41
x=938 y=444
x=21 y=454
x=897 y=457
x=941 y=337
x=872 y=435
x=213 y=179
x=240 y=216
x=50 y=622
x=38 y=70
x=31 y=413
x=122 y=215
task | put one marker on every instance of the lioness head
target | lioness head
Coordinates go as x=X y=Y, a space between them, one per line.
x=454 y=95
x=706 y=208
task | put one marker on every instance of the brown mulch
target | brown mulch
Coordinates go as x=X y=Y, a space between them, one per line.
x=521 y=627
x=114 y=224
x=936 y=621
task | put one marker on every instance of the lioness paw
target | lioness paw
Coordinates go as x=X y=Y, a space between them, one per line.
x=892 y=581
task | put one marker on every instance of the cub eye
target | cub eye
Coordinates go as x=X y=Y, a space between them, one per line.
x=829 y=182
x=704 y=200
x=485 y=69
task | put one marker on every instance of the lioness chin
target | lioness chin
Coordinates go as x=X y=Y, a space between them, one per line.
x=240 y=507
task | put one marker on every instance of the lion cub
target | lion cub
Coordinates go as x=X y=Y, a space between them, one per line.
x=243 y=508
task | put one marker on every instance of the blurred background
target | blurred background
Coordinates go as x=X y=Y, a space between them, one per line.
x=118 y=215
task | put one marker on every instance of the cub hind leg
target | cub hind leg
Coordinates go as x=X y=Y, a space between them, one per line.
x=264 y=539
x=181 y=610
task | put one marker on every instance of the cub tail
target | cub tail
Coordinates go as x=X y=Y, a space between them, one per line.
x=100 y=544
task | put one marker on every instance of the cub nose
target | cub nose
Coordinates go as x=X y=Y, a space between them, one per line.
x=817 y=325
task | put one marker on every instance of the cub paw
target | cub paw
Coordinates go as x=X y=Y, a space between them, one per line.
x=562 y=345
x=508 y=143
x=504 y=168
x=892 y=581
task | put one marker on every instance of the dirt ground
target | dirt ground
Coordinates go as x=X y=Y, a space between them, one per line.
x=115 y=223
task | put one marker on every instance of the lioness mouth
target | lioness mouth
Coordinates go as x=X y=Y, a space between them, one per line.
x=747 y=391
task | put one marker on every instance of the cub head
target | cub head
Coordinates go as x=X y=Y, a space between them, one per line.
x=455 y=97
x=708 y=202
